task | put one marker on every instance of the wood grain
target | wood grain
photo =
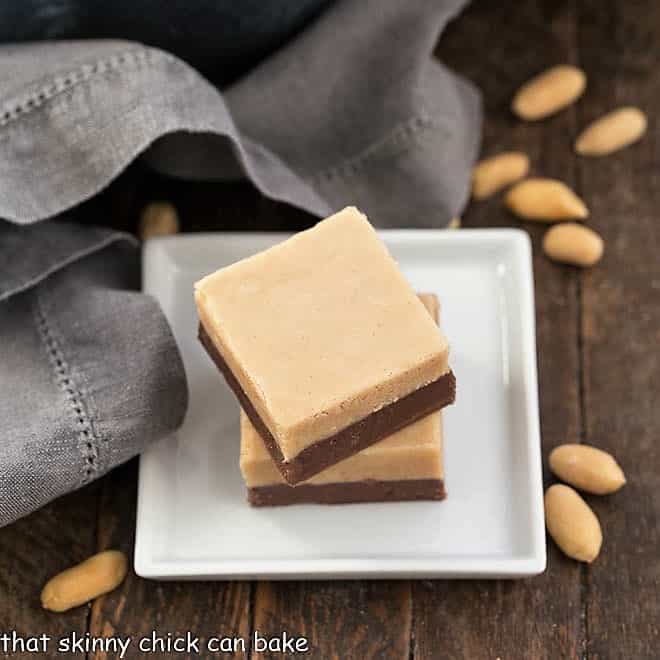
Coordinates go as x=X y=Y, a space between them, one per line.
x=356 y=619
x=538 y=617
x=621 y=331
x=34 y=549
x=138 y=607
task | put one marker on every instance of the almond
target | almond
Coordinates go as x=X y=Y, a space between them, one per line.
x=587 y=468
x=79 y=584
x=573 y=526
x=158 y=219
x=549 y=92
x=492 y=174
x=547 y=200
x=612 y=132
x=454 y=223
x=573 y=244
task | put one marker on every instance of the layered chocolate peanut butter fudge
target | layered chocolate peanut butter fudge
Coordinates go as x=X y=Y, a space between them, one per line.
x=325 y=344
x=404 y=466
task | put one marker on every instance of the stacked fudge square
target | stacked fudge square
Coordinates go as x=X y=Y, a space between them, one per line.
x=340 y=368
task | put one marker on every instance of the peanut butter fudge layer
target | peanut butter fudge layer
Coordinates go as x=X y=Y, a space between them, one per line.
x=325 y=344
x=404 y=466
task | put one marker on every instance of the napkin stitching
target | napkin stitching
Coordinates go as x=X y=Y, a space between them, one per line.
x=64 y=379
x=67 y=81
x=399 y=136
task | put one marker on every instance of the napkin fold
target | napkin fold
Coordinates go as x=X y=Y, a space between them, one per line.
x=353 y=110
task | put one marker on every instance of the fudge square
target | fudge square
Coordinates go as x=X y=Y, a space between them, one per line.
x=325 y=344
x=406 y=465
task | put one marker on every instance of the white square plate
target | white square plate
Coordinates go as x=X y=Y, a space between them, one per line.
x=193 y=520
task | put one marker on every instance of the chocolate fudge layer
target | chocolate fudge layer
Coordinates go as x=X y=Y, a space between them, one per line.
x=348 y=493
x=404 y=466
x=325 y=344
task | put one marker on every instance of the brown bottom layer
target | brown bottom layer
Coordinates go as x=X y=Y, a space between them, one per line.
x=348 y=493
x=348 y=441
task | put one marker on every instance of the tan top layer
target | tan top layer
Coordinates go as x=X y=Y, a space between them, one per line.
x=321 y=330
x=415 y=452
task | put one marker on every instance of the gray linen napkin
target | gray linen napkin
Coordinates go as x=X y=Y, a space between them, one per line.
x=352 y=111
x=90 y=370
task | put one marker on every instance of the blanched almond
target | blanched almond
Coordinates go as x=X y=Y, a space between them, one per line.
x=79 y=584
x=587 y=468
x=492 y=174
x=573 y=526
x=573 y=244
x=612 y=132
x=547 y=200
x=549 y=92
x=158 y=219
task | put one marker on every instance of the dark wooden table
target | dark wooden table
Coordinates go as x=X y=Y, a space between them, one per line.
x=598 y=347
